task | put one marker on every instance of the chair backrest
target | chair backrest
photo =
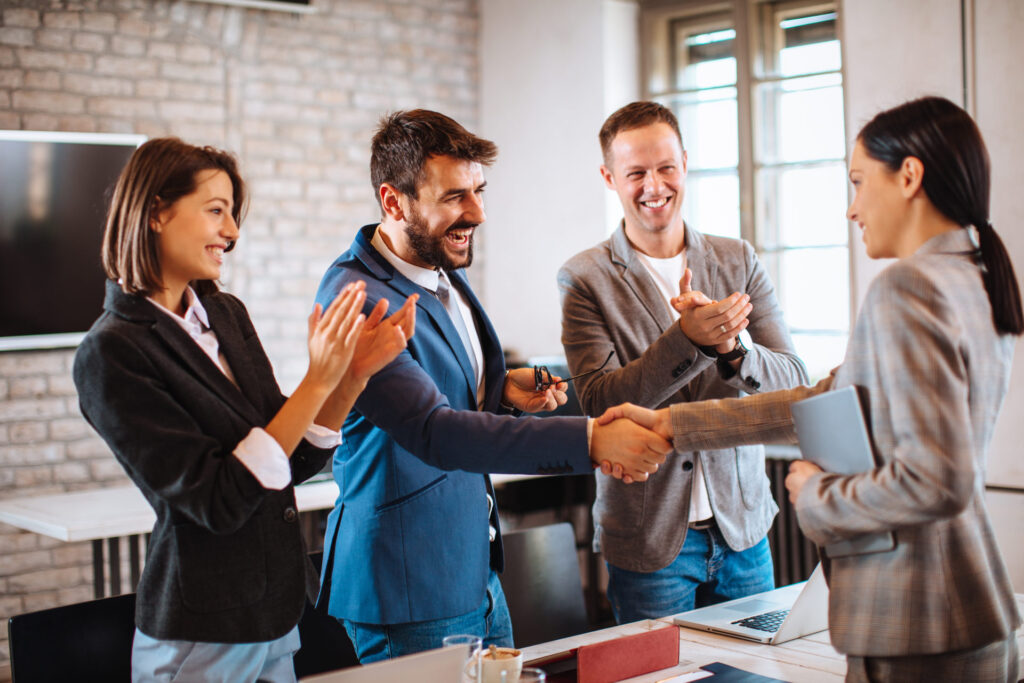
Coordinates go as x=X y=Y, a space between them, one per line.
x=87 y=641
x=325 y=644
x=542 y=584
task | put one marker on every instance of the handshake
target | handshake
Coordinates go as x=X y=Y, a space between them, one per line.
x=630 y=442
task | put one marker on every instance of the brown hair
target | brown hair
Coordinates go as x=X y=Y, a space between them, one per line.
x=160 y=172
x=635 y=115
x=406 y=139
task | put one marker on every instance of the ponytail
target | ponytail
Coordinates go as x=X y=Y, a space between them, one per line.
x=1000 y=281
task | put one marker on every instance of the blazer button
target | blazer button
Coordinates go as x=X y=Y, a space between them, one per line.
x=681 y=368
x=687 y=466
x=290 y=514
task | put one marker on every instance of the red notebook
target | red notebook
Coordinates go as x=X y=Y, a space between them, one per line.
x=628 y=656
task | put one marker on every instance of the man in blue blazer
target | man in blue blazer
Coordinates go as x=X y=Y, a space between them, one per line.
x=413 y=547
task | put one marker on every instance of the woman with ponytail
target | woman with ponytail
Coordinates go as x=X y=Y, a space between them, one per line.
x=930 y=356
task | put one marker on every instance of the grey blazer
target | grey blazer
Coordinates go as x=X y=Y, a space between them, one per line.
x=935 y=371
x=610 y=302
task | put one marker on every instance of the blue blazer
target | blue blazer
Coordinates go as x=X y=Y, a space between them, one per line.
x=408 y=538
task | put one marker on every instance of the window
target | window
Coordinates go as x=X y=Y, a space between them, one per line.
x=757 y=87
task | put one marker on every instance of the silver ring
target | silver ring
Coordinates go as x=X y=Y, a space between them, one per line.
x=722 y=328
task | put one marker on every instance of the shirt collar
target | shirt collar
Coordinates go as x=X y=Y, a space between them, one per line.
x=424 y=277
x=195 y=313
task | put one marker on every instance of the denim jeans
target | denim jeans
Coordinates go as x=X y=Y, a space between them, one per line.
x=706 y=571
x=490 y=621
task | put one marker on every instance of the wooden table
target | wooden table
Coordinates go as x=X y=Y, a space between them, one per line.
x=811 y=659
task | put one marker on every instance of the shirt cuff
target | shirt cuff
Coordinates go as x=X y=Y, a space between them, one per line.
x=323 y=437
x=265 y=459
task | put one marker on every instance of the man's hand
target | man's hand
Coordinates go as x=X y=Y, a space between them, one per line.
x=658 y=421
x=382 y=339
x=706 y=322
x=519 y=391
x=635 y=449
x=799 y=472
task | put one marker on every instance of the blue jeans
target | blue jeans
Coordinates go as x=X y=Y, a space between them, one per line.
x=706 y=571
x=490 y=621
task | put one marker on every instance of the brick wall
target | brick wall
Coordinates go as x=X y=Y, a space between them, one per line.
x=294 y=96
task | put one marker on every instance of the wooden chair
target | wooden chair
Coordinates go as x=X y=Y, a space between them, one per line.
x=87 y=641
x=542 y=584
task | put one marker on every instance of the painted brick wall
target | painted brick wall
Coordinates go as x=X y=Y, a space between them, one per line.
x=296 y=97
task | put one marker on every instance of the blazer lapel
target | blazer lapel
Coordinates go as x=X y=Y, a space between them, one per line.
x=428 y=303
x=704 y=269
x=636 y=277
x=138 y=309
x=249 y=392
x=186 y=349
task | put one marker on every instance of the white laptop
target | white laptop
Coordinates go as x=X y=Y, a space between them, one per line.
x=443 y=665
x=771 y=617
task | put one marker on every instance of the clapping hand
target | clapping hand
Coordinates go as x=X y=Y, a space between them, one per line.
x=706 y=322
x=382 y=339
x=333 y=333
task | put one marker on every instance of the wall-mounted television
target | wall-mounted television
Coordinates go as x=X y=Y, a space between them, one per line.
x=54 y=189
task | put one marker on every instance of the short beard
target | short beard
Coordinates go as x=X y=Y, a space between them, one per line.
x=430 y=249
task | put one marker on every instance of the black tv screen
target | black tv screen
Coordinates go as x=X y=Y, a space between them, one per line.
x=54 y=188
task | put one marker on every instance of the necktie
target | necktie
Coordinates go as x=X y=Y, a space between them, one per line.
x=444 y=295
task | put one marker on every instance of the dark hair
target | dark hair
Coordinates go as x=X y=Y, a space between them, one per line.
x=406 y=139
x=956 y=180
x=635 y=115
x=160 y=172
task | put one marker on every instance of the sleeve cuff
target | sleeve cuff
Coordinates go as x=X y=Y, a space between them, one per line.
x=323 y=437
x=265 y=459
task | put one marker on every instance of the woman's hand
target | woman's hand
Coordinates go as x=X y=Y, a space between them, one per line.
x=799 y=472
x=333 y=336
x=520 y=391
x=382 y=339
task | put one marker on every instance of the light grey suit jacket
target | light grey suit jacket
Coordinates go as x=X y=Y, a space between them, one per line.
x=610 y=302
x=935 y=371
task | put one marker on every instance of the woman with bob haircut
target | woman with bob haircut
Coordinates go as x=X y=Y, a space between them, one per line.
x=930 y=356
x=175 y=380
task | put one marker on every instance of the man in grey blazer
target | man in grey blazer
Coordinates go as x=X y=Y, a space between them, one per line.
x=695 y=534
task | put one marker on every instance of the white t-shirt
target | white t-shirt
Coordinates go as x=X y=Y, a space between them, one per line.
x=666 y=273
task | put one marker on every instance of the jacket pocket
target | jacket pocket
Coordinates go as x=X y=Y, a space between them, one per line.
x=220 y=572
x=402 y=500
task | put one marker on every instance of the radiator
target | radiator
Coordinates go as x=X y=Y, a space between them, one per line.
x=794 y=556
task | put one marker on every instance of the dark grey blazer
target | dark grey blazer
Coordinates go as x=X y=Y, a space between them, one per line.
x=226 y=561
x=610 y=302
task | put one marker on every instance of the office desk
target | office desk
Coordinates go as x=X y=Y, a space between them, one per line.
x=108 y=514
x=811 y=659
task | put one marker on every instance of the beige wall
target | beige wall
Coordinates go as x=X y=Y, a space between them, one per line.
x=549 y=74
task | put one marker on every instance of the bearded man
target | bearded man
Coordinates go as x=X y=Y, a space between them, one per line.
x=413 y=546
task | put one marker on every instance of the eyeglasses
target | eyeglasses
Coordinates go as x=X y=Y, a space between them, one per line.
x=540 y=371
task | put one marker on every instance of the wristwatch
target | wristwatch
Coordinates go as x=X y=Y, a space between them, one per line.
x=737 y=352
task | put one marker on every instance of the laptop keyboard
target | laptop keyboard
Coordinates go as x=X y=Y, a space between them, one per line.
x=769 y=621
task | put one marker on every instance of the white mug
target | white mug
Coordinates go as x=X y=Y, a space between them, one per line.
x=496 y=660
